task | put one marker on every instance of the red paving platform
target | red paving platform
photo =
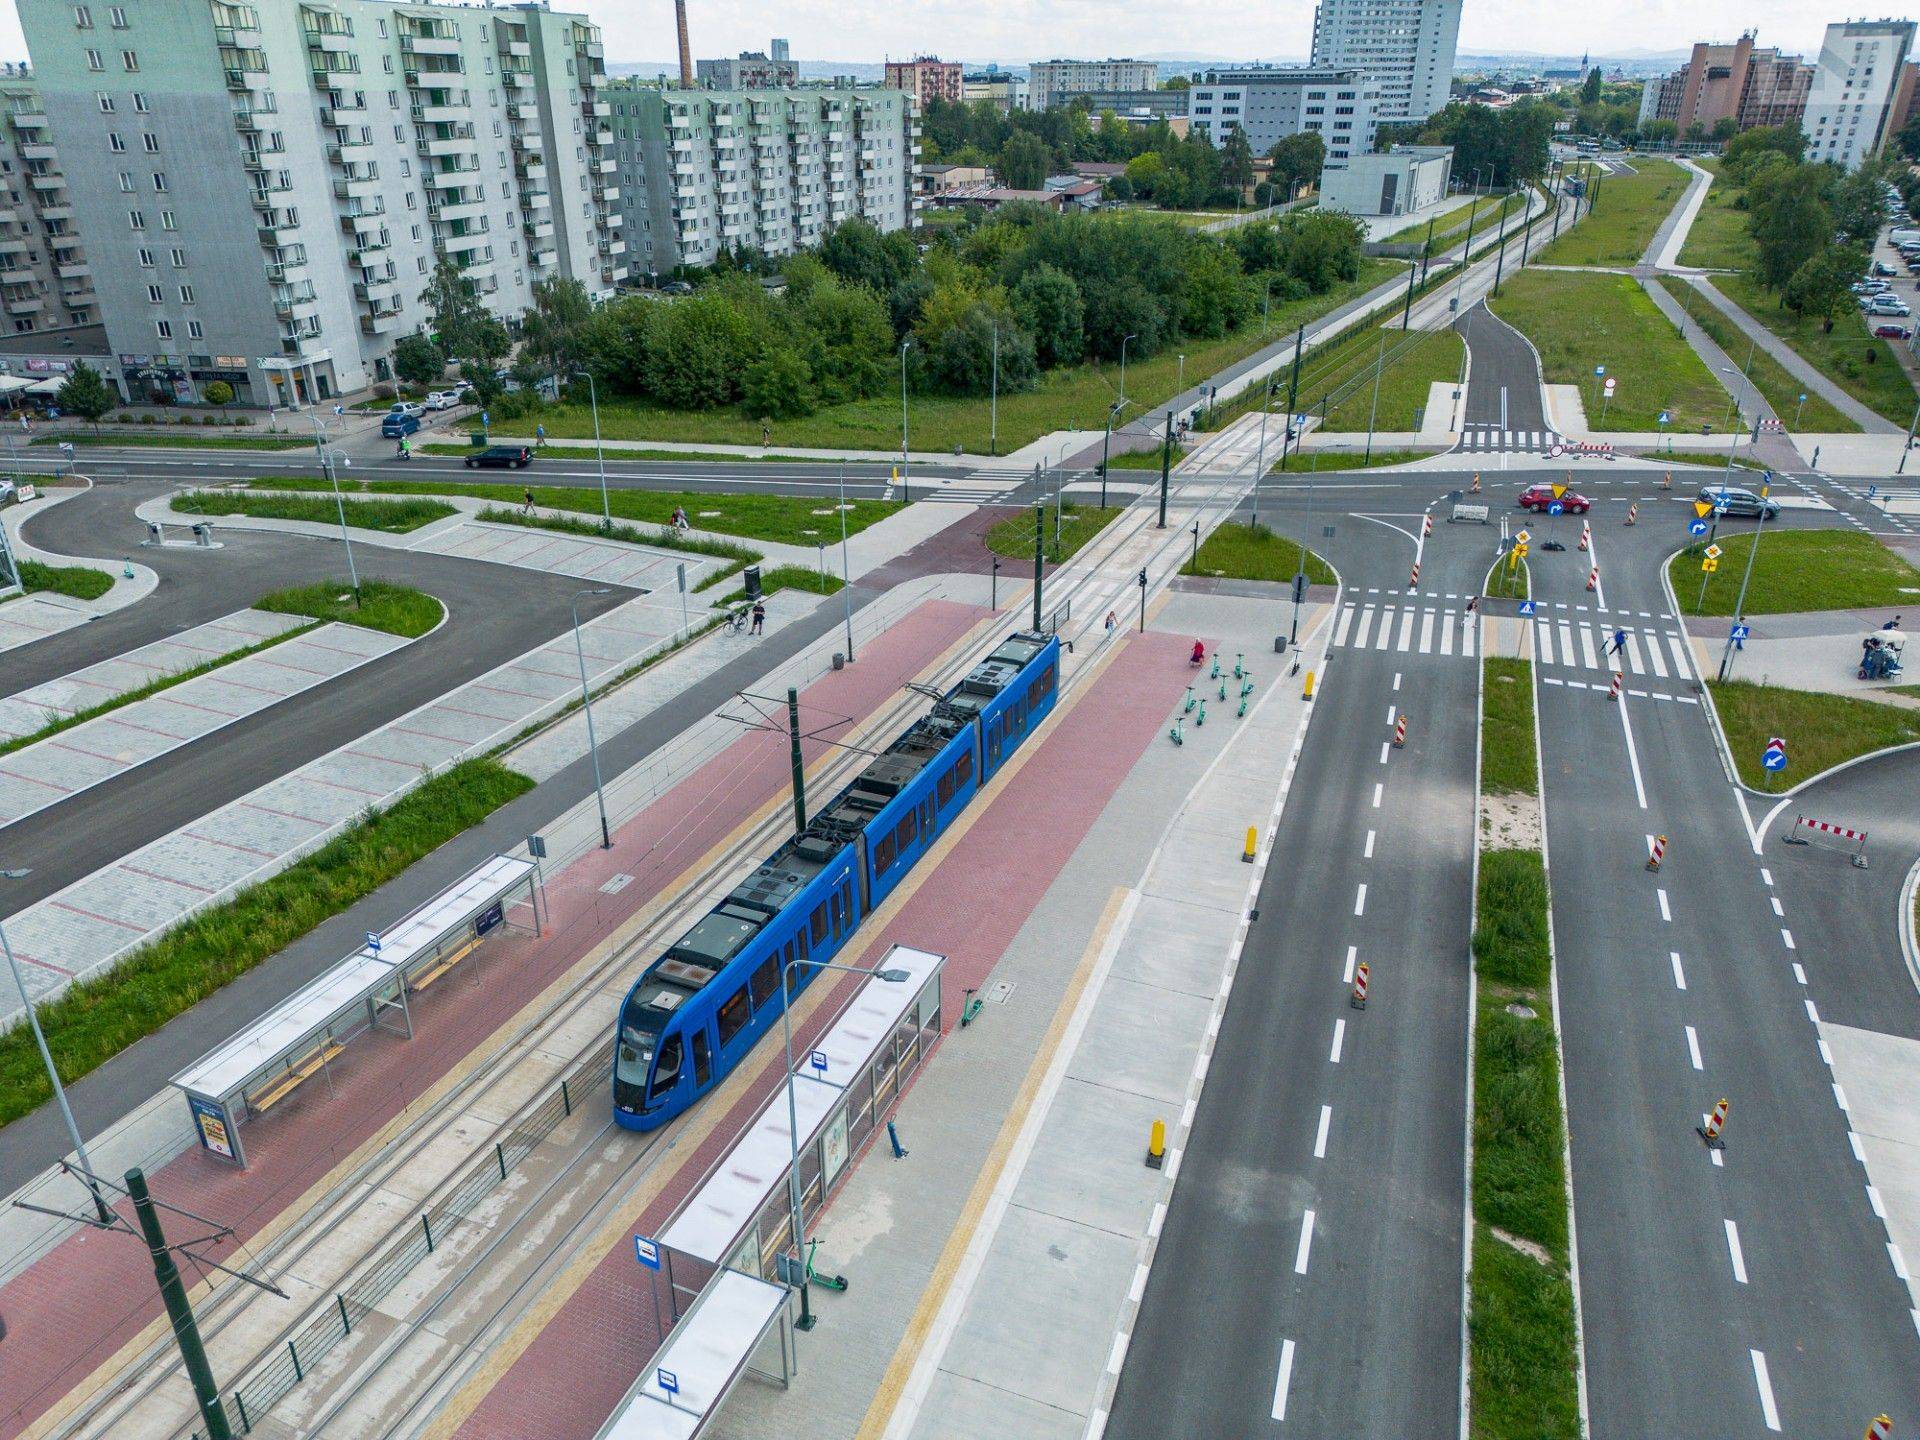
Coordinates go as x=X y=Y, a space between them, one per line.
x=970 y=908
x=92 y=1293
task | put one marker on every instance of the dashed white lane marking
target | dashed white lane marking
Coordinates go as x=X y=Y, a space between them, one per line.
x=1353 y=955
x=1853 y=1143
x=1733 y=1250
x=1360 y=900
x=1899 y=1260
x=1786 y=937
x=1378 y=790
x=1693 y=1048
x=1118 y=1355
x=1339 y=1038
x=1813 y=1014
x=1766 y=877
x=1139 y=1286
x=1367 y=853
x=1666 y=910
x=1320 y=1137
x=1306 y=1243
x=1396 y=682
x=1679 y=975
x=1286 y=1379
x=1391 y=711
x=1768 y=1410
x=1386 y=749
x=1157 y=1219
x=1778 y=912
x=1873 y=1199
x=1798 y=973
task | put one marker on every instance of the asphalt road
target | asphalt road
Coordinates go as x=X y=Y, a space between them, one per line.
x=1310 y=1265
x=495 y=612
x=1503 y=378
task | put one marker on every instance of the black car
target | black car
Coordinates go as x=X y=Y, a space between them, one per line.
x=501 y=457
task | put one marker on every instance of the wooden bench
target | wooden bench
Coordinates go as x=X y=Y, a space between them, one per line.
x=285 y=1083
x=420 y=980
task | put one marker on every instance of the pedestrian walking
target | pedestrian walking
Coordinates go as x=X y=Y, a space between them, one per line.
x=1473 y=604
x=1739 y=640
x=759 y=617
x=1618 y=643
x=1112 y=620
x=1893 y=624
x=526 y=503
x=766 y=434
x=540 y=436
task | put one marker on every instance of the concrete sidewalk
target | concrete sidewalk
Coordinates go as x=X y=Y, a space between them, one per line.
x=37 y=615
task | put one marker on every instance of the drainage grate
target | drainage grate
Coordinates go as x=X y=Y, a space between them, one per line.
x=616 y=884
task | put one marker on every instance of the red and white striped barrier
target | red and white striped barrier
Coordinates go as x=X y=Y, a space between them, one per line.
x=1474 y=488
x=1880 y=1428
x=1593 y=447
x=1413 y=580
x=1805 y=830
x=1586 y=534
x=1716 y=1122
x=1400 y=732
x=1613 y=690
x=1656 y=852
x=1633 y=513
x=1593 y=578
x=1426 y=525
x=1359 y=997
x=1773 y=427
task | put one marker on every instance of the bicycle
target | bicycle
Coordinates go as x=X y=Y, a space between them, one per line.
x=736 y=622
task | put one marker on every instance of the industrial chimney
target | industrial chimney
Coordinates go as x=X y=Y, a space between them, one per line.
x=686 y=50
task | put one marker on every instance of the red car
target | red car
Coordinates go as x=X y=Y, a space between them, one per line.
x=1539 y=497
x=1889 y=331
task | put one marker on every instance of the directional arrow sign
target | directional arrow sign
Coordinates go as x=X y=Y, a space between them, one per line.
x=1556 y=508
x=1714 y=552
x=1521 y=537
x=1697 y=527
x=1775 y=756
x=1701 y=507
x=1526 y=607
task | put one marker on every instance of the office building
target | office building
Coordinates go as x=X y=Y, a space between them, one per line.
x=1855 y=85
x=1399 y=181
x=264 y=190
x=926 y=78
x=773 y=170
x=1271 y=102
x=1405 y=47
x=1129 y=104
x=1056 y=82
x=1749 y=84
x=750 y=70
x=1007 y=92
x=46 y=274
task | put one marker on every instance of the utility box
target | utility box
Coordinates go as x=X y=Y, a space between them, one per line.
x=751 y=577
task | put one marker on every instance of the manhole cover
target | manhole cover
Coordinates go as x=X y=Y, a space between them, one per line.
x=997 y=993
x=1525 y=1012
x=616 y=884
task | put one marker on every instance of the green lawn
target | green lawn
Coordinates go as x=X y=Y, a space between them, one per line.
x=77 y=582
x=588 y=452
x=1627 y=212
x=752 y=516
x=789 y=577
x=179 y=436
x=1820 y=730
x=1578 y=322
x=1072 y=398
x=1768 y=375
x=1521 y=1335
x=1013 y=537
x=1452 y=226
x=1145 y=459
x=1332 y=460
x=392 y=517
x=1859 y=364
x=1409 y=363
x=1719 y=239
x=1798 y=570
x=1253 y=552
x=1507 y=750
x=97 y=1018
x=395 y=609
x=1506 y=582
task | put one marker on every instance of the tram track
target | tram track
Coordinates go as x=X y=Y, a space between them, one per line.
x=112 y=1412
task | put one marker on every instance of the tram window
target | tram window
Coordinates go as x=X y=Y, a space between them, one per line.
x=666 y=1069
x=793 y=971
x=765 y=981
x=1045 y=681
x=943 y=787
x=702 y=1058
x=818 y=924
x=963 y=768
x=926 y=816
x=840 y=926
x=733 y=1015
x=907 y=830
x=883 y=855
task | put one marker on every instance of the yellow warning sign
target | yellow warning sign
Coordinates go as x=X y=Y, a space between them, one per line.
x=1709 y=564
x=1558 y=491
x=1702 y=508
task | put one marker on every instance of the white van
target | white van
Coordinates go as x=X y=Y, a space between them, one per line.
x=1903 y=237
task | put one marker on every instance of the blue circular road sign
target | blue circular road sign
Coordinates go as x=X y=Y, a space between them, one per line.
x=1556 y=508
x=1697 y=527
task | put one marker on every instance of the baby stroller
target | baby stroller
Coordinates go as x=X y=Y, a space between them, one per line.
x=1880 y=655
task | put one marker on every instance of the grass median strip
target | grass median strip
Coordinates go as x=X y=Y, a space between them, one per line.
x=1821 y=730
x=1797 y=570
x=76 y=582
x=392 y=517
x=1853 y=359
x=396 y=609
x=179 y=438
x=1769 y=376
x=1013 y=537
x=660 y=539
x=1331 y=460
x=1522 y=1343
x=551 y=451
x=95 y=1019
x=1253 y=552
x=1625 y=216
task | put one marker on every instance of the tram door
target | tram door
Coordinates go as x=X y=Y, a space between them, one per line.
x=702 y=1061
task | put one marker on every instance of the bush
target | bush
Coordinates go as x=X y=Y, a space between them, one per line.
x=218 y=392
x=149 y=419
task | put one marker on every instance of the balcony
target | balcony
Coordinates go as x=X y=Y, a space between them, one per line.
x=13 y=246
x=25 y=305
x=536 y=200
x=544 y=258
x=524 y=110
x=47 y=184
x=451 y=109
x=380 y=322
x=595 y=109
x=77 y=270
x=461 y=210
x=518 y=49
x=480 y=263
x=278 y=227
x=369 y=252
x=536 y=229
x=614 y=220
x=449 y=145
x=529 y=140
x=355 y=223
x=27 y=119
x=606 y=194
x=347 y=108
x=453 y=179
x=602 y=136
x=517 y=79
x=38 y=151
x=380 y=293
x=429 y=45
x=363 y=187
x=329 y=42
x=463 y=239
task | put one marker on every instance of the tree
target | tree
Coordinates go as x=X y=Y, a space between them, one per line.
x=961 y=359
x=217 y=392
x=1047 y=303
x=550 y=331
x=1790 y=222
x=85 y=394
x=778 y=386
x=417 y=360
x=1236 y=159
x=1750 y=145
x=453 y=308
x=1907 y=138
x=1725 y=128
x=1818 y=289
x=854 y=250
x=1590 y=87
x=1024 y=162
x=1297 y=160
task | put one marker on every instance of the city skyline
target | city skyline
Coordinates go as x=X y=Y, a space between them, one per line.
x=1075 y=28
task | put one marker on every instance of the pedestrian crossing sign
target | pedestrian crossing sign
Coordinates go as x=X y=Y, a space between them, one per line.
x=1526 y=607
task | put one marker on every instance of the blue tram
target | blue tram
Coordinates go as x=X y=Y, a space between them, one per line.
x=699 y=1009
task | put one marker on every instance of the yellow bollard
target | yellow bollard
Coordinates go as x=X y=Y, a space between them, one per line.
x=1307 y=694
x=1157 y=1145
x=1252 y=838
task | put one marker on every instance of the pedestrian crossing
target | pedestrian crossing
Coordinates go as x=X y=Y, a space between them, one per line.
x=1476 y=436
x=1588 y=645
x=1406 y=629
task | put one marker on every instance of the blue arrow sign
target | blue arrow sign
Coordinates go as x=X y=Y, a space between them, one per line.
x=1774 y=759
x=1556 y=508
x=1526 y=607
x=646 y=1251
x=1697 y=527
x=1740 y=632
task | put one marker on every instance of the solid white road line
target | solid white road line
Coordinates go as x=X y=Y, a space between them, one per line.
x=1768 y=1410
x=1360 y=900
x=1666 y=910
x=1367 y=854
x=1733 y=1249
x=1339 y=1037
x=1306 y=1243
x=1633 y=756
x=1353 y=955
x=1286 y=1379
x=1679 y=975
x=1693 y=1048
x=1320 y=1138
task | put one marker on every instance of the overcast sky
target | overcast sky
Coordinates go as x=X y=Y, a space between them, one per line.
x=1015 y=31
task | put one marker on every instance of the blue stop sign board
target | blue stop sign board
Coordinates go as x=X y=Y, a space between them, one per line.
x=1698 y=527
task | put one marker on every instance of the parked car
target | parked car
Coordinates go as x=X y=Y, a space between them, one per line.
x=1733 y=500
x=394 y=425
x=1888 y=305
x=1880 y=267
x=442 y=400
x=1869 y=286
x=406 y=407
x=1539 y=497
x=501 y=457
x=1889 y=330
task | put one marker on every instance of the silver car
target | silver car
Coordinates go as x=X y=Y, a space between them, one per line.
x=1733 y=500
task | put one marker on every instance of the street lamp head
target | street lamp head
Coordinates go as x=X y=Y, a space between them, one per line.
x=19 y=874
x=892 y=977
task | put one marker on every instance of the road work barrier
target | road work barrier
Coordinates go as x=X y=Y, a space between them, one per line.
x=1716 y=1122
x=1613 y=690
x=1361 y=973
x=1633 y=513
x=1593 y=578
x=1413 y=580
x=1426 y=525
x=1880 y=1428
x=1400 y=732
x=1805 y=830
x=1656 y=852
x=1474 y=488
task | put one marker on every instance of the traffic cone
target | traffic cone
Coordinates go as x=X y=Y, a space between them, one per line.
x=1666 y=481
x=1881 y=1428
x=1413 y=580
x=1593 y=578
x=1633 y=513
x=1586 y=534
x=1613 y=690
x=1358 y=1000
x=1716 y=1122
x=1400 y=732
x=1657 y=853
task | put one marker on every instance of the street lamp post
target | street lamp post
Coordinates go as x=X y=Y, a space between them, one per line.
x=906 y=477
x=1123 y=365
x=846 y=570
x=339 y=505
x=993 y=412
x=1106 y=449
x=891 y=977
x=586 y=702
x=46 y=1058
x=1259 y=463
x=599 y=453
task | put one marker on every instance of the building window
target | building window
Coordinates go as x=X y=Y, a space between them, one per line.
x=115 y=143
x=146 y=257
x=117 y=17
x=83 y=17
x=166 y=220
x=186 y=294
x=136 y=220
x=105 y=102
x=95 y=61
x=154 y=297
x=140 y=101
x=194 y=332
x=179 y=258
x=130 y=60
x=126 y=183
x=160 y=181
x=164 y=329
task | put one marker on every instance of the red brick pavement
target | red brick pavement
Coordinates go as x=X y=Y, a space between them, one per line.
x=87 y=1297
x=969 y=909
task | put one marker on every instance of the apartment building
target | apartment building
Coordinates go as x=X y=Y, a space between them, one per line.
x=1749 y=84
x=1271 y=102
x=926 y=78
x=1056 y=82
x=1406 y=47
x=46 y=275
x=1855 y=85
x=774 y=170
x=264 y=190
x=1007 y=91
x=750 y=70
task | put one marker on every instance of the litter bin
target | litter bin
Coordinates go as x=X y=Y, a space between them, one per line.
x=476 y=437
